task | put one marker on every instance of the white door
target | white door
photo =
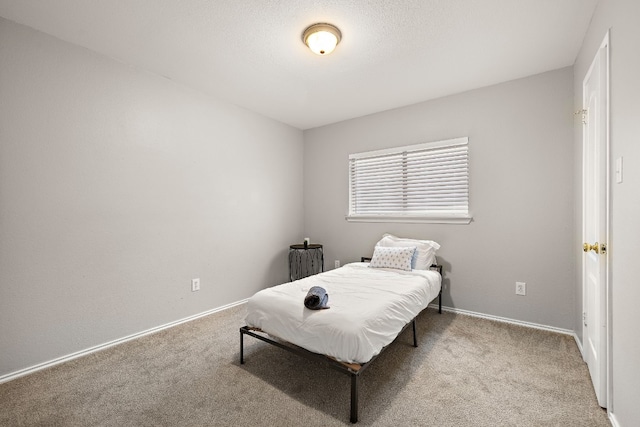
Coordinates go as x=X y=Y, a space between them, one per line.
x=595 y=200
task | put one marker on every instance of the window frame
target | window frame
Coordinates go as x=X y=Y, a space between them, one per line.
x=398 y=217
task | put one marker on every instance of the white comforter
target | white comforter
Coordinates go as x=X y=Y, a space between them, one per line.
x=369 y=307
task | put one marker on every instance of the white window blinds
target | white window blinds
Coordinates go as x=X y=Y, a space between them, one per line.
x=423 y=181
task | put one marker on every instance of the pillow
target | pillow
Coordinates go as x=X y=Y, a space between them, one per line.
x=392 y=257
x=425 y=249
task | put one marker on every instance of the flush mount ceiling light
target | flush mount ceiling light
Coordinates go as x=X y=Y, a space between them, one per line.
x=321 y=38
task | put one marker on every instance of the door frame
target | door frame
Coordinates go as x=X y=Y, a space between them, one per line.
x=607 y=200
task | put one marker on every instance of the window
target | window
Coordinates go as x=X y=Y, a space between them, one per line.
x=417 y=183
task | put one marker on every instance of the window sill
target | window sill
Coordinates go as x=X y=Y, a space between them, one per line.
x=466 y=219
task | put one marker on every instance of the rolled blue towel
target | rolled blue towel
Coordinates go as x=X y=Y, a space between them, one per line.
x=317 y=298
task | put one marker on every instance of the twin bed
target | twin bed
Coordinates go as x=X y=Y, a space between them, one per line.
x=371 y=303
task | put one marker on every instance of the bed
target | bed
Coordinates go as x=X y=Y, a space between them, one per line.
x=371 y=303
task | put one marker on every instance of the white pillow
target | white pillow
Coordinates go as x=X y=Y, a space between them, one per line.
x=426 y=249
x=392 y=257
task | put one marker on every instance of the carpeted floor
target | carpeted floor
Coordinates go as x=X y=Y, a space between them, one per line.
x=465 y=372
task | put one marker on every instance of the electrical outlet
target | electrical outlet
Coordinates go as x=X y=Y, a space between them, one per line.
x=521 y=288
x=195 y=285
x=337 y=263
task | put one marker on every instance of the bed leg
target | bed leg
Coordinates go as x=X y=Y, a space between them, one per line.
x=354 y=398
x=415 y=337
x=440 y=302
x=241 y=348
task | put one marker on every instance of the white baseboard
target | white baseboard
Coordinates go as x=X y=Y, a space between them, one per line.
x=57 y=361
x=579 y=344
x=614 y=421
x=44 y=365
x=507 y=320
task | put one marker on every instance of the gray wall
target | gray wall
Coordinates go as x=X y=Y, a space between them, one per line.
x=521 y=194
x=116 y=188
x=621 y=16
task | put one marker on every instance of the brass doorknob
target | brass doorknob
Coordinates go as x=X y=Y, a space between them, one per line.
x=595 y=247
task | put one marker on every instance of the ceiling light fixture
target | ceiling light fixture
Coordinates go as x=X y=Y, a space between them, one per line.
x=322 y=38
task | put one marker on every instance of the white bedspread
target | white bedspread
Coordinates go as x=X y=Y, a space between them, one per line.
x=369 y=307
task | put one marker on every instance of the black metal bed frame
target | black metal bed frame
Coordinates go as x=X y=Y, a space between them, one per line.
x=352 y=369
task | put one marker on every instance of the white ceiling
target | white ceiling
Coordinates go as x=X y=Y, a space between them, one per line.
x=393 y=52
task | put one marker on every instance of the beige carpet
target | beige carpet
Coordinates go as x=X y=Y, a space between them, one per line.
x=465 y=372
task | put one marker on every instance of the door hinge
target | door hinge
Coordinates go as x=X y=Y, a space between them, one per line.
x=584 y=318
x=583 y=115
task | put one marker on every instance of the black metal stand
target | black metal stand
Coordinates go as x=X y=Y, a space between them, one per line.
x=305 y=260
